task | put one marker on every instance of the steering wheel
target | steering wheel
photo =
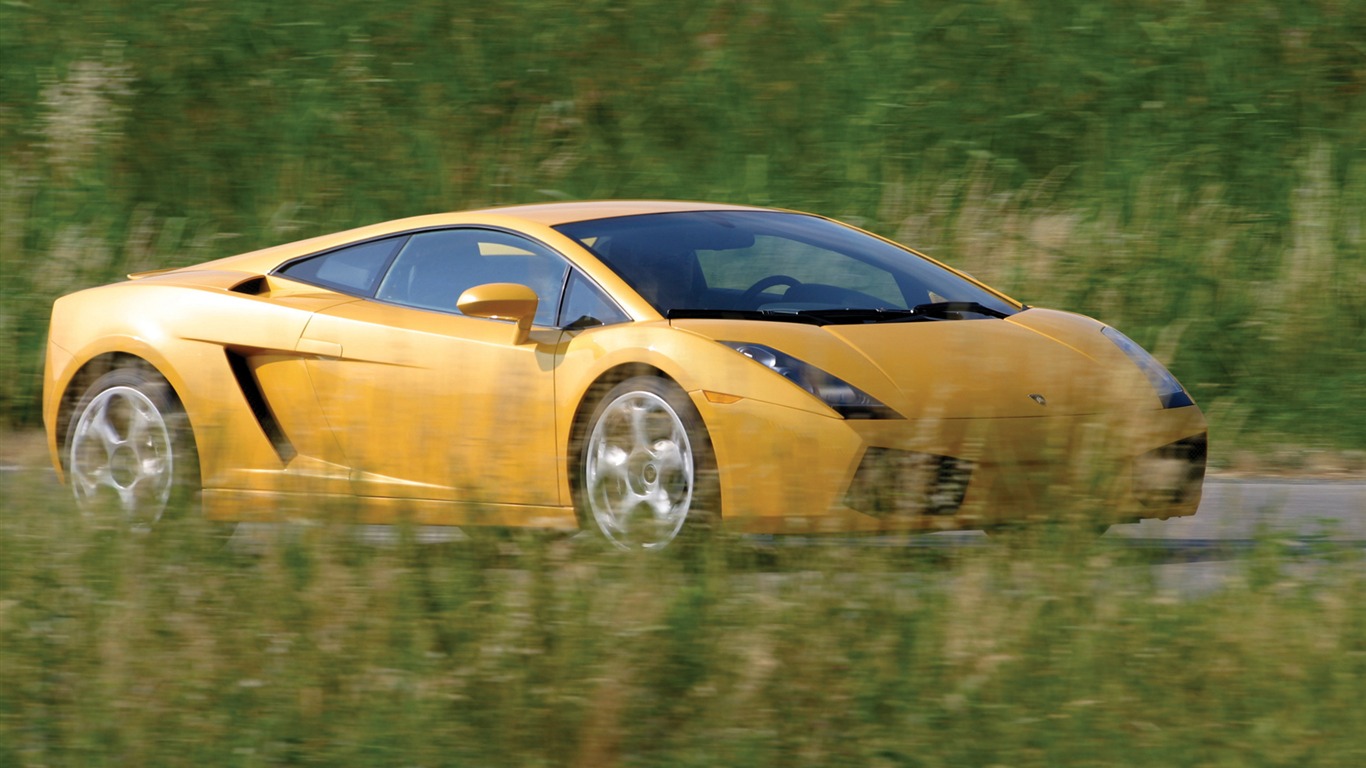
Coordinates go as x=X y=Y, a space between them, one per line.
x=751 y=293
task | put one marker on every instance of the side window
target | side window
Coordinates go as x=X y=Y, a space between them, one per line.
x=353 y=269
x=585 y=305
x=434 y=268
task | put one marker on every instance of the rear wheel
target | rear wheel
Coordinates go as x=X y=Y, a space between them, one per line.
x=130 y=447
x=646 y=474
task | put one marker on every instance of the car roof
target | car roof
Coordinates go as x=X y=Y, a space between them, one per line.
x=542 y=214
x=554 y=214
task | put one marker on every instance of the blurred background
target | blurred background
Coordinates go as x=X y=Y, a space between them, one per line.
x=1193 y=173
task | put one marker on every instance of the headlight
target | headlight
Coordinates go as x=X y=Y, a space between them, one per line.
x=844 y=398
x=1168 y=389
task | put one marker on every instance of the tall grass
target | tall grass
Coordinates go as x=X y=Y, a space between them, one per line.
x=1189 y=172
x=311 y=648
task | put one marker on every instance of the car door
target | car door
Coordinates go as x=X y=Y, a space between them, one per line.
x=428 y=403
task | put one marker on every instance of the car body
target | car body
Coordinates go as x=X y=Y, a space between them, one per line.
x=638 y=368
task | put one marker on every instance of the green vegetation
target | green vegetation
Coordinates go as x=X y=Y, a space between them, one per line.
x=1190 y=172
x=1193 y=175
x=310 y=648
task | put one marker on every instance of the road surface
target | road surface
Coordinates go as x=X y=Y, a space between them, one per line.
x=1239 y=509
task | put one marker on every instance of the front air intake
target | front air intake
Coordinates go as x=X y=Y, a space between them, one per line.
x=892 y=483
x=1172 y=474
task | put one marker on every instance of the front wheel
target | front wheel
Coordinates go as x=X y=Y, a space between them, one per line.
x=130 y=446
x=646 y=474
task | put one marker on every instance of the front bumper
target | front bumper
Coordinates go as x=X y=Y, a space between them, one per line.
x=788 y=471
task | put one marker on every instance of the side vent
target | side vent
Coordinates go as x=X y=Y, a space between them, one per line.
x=251 y=389
x=254 y=286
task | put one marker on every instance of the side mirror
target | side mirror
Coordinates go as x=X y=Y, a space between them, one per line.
x=501 y=301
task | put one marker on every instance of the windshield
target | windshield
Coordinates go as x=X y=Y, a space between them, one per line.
x=772 y=264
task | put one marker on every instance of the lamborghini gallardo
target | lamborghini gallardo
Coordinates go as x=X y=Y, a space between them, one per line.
x=640 y=371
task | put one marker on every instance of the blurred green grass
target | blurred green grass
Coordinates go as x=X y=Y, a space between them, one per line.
x=1191 y=174
x=311 y=648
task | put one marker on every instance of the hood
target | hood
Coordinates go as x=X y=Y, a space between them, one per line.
x=1053 y=364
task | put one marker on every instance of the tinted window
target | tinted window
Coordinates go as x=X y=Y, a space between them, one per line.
x=435 y=268
x=353 y=269
x=807 y=264
x=768 y=260
x=585 y=305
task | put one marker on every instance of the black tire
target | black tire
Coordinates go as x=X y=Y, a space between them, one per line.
x=129 y=447
x=645 y=475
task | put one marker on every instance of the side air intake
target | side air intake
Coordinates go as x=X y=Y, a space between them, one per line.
x=260 y=409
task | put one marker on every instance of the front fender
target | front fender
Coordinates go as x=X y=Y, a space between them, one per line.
x=696 y=362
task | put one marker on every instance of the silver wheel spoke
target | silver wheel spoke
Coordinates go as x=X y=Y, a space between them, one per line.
x=639 y=435
x=142 y=415
x=128 y=497
x=104 y=429
x=90 y=481
x=94 y=436
x=660 y=502
x=612 y=462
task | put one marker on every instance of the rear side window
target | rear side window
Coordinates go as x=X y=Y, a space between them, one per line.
x=435 y=268
x=354 y=269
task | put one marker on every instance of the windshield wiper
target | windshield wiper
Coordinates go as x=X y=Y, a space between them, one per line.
x=939 y=310
x=856 y=315
x=943 y=309
x=776 y=315
x=837 y=316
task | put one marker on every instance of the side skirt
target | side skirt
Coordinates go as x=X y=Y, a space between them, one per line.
x=268 y=507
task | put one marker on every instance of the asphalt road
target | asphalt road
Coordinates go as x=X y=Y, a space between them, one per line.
x=1308 y=519
x=1239 y=509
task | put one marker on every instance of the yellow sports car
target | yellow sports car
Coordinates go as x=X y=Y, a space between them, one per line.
x=641 y=370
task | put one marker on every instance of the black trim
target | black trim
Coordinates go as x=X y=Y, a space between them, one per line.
x=254 y=286
x=953 y=310
x=260 y=409
x=944 y=310
x=1177 y=399
x=743 y=314
x=866 y=411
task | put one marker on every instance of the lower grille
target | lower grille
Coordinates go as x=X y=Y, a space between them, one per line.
x=892 y=483
x=1172 y=474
